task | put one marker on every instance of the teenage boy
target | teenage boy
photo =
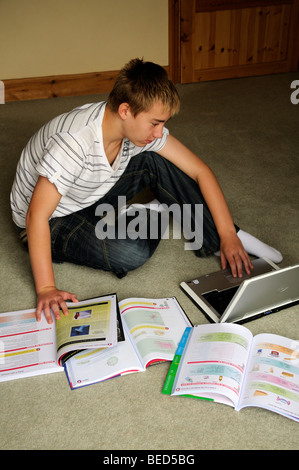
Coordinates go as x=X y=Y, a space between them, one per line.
x=97 y=152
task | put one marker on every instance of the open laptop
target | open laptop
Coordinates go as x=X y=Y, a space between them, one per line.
x=223 y=298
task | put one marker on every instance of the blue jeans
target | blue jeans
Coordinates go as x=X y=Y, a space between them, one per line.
x=74 y=236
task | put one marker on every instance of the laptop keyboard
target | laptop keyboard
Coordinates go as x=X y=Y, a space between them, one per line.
x=219 y=300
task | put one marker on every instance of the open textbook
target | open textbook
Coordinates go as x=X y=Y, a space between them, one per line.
x=28 y=347
x=153 y=329
x=226 y=364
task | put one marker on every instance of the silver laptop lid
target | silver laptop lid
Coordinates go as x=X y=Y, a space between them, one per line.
x=264 y=293
x=198 y=288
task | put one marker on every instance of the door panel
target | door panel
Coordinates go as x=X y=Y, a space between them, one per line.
x=230 y=38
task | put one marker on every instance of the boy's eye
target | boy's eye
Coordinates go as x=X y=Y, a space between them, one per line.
x=154 y=124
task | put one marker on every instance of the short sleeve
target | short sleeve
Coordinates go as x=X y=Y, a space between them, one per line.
x=62 y=161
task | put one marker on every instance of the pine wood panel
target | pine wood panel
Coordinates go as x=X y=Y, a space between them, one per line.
x=223 y=42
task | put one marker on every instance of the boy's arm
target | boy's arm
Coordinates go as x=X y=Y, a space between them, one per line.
x=43 y=203
x=231 y=248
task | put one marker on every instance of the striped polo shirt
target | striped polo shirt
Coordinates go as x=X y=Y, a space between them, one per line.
x=69 y=151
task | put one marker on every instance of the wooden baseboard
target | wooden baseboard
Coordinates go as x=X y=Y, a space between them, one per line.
x=22 y=89
x=36 y=88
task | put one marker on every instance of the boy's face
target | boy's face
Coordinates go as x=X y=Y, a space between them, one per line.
x=147 y=125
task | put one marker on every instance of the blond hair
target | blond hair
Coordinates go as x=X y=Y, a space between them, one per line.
x=141 y=84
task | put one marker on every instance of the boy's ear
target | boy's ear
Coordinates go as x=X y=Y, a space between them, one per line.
x=124 y=110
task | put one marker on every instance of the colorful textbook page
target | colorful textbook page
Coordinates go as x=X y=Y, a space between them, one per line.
x=90 y=324
x=153 y=329
x=27 y=347
x=225 y=364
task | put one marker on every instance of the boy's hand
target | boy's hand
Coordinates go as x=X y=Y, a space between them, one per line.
x=233 y=252
x=51 y=298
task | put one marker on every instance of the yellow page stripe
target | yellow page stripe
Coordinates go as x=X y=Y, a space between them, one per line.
x=89 y=353
x=148 y=326
x=17 y=353
x=137 y=303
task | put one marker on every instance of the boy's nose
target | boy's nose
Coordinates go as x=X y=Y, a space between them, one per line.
x=158 y=132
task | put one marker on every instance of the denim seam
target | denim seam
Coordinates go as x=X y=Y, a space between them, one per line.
x=75 y=229
x=53 y=226
x=151 y=177
x=105 y=253
x=168 y=194
x=69 y=236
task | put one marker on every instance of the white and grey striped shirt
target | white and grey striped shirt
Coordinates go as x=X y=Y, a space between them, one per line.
x=69 y=151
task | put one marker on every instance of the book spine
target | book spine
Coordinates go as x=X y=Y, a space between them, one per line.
x=170 y=379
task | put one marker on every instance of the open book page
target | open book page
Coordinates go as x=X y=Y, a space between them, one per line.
x=272 y=376
x=27 y=347
x=91 y=366
x=90 y=324
x=213 y=362
x=155 y=326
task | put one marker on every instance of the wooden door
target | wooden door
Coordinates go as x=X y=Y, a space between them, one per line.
x=233 y=38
